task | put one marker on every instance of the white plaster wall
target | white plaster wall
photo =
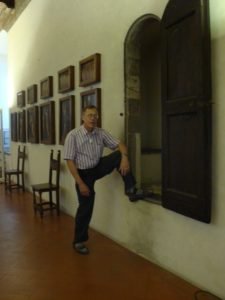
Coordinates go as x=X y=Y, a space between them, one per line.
x=3 y=79
x=50 y=35
x=3 y=82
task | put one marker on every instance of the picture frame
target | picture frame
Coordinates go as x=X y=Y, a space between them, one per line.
x=33 y=124
x=47 y=123
x=21 y=118
x=92 y=97
x=21 y=99
x=66 y=117
x=90 y=70
x=66 y=79
x=13 y=125
x=32 y=94
x=46 y=87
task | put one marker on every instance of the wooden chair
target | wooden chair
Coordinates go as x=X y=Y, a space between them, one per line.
x=49 y=187
x=18 y=172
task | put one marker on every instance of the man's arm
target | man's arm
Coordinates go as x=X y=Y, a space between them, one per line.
x=124 y=164
x=84 y=190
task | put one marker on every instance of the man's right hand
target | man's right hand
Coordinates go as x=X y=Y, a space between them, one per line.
x=84 y=189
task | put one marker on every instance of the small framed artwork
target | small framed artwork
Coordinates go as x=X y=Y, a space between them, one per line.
x=92 y=97
x=13 y=123
x=47 y=123
x=21 y=99
x=32 y=94
x=46 y=87
x=33 y=124
x=66 y=79
x=22 y=126
x=66 y=117
x=90 y=70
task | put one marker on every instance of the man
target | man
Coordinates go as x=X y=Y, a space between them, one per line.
x=83 y=153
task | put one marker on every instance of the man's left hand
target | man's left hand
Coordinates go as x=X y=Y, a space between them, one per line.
x=124 y=166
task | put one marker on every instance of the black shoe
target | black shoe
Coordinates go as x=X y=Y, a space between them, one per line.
x=81 y=248
x=134 y=194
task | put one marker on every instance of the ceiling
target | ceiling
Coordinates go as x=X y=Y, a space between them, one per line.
x=8 y=16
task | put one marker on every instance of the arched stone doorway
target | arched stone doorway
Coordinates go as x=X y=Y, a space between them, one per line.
x=143 y=101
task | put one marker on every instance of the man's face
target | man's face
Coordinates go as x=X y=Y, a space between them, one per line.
x=90 y=118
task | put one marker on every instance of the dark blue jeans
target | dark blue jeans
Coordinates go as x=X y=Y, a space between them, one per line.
x=85 y=209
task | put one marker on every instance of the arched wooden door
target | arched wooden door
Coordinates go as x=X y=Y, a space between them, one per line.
x=186 y=108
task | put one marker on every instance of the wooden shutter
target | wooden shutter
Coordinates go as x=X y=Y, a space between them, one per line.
x=186 y=108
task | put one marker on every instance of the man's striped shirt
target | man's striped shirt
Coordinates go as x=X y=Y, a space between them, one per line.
x=86 y=148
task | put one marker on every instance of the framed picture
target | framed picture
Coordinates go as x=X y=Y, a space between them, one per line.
x=33 y=124
x=21 y=99
x=90 y=70
x=92 y=97
x=22 y=126
x=47 y=123
x=66 y=79
x=46 y=87
x=13 y=123
x=66 y=117
x=32 y=94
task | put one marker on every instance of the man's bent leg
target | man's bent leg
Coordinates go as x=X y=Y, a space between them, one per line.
x=110 y=162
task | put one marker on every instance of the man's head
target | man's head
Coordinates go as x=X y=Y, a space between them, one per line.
x=90 y=117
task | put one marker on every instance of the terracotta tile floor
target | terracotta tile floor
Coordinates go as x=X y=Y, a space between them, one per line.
x=37 y=262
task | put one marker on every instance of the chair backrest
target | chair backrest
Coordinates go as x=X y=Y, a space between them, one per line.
x=54 y=167
x=21 y=158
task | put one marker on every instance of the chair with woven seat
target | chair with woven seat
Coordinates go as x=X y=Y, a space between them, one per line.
x=49 y=187
x=18 y=172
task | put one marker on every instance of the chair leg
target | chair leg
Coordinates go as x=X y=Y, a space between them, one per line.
x=50 y=199
x=57 y=202
x=23 y=187
x=18 y=180
x=40 y=205
x=9 y=183
x=6 y=181
x=34 y=202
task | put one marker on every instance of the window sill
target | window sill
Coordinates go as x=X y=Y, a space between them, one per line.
x=150 y=150
x=155 y=200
